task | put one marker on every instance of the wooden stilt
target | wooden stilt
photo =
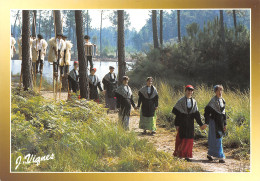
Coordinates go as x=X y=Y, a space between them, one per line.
x=40 y=84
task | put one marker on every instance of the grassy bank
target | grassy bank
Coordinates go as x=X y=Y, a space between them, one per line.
x=237 y=110
x=82 y=138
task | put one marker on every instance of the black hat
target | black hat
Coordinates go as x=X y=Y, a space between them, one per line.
x=86 y=37
x=40 y=36
x=111 y=67
x=125 y=77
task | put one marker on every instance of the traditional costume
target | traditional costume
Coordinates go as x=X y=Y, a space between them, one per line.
x=124 y=99
x=39 y=48
x=74 y=80
x=110 y=85
x=55 y=52
x=94 y=85
x=186 y=111
x=65 y=61
x=148 y=97
x=12 y=46
x=19 y=41
x=89 y=52
x=215 y=117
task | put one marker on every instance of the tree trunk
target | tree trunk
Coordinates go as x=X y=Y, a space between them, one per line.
x=179 y=26
x=81 y=55
x=51 y=25
x=121 y=46
x=161 y=28
x=26 y=61
x=155 y=34
x=235 y=22
x=39 y=27
x=58 y=24
x=101 y=34
x=34 y=23
x=222 y=34
x=87 y=22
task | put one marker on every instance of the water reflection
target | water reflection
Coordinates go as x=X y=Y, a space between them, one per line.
x=102 y=68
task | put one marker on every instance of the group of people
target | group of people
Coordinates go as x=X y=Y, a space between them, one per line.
x=121 y=97
x=185 y=111
x=59 y=54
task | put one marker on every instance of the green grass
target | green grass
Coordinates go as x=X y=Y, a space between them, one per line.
x=82 y=138
x=46 y=86
x=237 y=110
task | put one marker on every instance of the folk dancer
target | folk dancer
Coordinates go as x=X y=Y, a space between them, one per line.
x=215 y=117
x=186 y=110
x=94 y=85
x=55 y=52
x=38 y=52
x=74 y=78
x=65 y=61
x=110 y=85
x=89 y=51
x=124 y=98
x=148 y=98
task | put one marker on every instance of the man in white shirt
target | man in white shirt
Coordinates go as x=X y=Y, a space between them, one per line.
x=66 y=56
x=57 y=49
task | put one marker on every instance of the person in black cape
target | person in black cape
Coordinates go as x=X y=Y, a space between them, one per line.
x=94 y=85
x=186 y=111
x=110 y=85
x=124 y=97
x=73 y=78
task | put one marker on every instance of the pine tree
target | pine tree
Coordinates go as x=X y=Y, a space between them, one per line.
x=121 y=45
x=26 y=61
x=81 y=55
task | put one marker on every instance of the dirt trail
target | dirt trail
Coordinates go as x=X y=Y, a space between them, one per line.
x=164 y=140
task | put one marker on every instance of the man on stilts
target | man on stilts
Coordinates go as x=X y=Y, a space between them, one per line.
x=66 y=56
x=39 y=51
x=56 y=48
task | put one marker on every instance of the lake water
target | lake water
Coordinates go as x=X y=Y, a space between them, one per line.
x=101 y=66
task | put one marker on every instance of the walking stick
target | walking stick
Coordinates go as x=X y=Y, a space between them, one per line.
x=68 y=88
x=20 y=83
x=40 y=84
x=60 y=85
x=35 y=77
